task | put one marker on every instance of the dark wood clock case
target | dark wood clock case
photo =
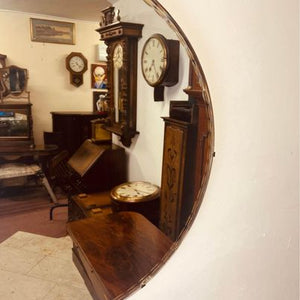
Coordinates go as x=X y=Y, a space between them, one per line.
x=123 y=91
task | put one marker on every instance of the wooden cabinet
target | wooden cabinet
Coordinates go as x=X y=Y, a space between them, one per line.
x=177 y=185
x=75 y=126
x=16 y=124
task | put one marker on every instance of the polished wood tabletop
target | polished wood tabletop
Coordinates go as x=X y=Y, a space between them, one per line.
x=118 y=252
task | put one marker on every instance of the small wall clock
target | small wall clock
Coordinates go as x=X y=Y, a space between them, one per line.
x=160 y=63
x=76 y=64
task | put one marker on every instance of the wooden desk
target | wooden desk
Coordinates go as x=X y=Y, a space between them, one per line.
x=88 y=205
x=117 y=253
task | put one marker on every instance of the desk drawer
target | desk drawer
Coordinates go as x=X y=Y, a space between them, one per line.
x=91 y=278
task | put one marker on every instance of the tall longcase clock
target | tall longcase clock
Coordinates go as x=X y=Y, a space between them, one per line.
x=121 y=39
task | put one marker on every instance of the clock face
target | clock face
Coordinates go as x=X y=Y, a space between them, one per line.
x=135 y=191
x=118 y=57
x=76 y=64
x=154 y=60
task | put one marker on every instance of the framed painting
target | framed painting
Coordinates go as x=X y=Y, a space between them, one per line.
x=48 y=31
x=99 y=76
x=98 y=101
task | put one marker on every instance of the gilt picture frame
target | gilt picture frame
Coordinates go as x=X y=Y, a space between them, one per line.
x=50 y=31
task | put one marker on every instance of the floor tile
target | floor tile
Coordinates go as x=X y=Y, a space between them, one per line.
x=43 y=244
x=64 y=249
x=63 y=292
x=19 y=287
x=18 y=260
x=57 y=270
x=33 y=267
x=19 y=239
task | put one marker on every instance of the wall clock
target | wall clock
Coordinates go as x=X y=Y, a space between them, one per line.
x=76 y=64
x=160 y=63
x=121 y=39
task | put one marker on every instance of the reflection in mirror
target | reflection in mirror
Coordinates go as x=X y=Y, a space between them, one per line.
x=13 y=123
x=118 y=63
x=121 y=39
x=149 y=144
x=13 y=81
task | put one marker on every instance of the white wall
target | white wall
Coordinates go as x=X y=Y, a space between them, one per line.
x=49 y=86
x=244 y=241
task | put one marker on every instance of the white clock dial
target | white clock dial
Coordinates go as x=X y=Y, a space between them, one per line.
x=154 y=60
x=76 y=64
x=118 y=56
x=135 y=190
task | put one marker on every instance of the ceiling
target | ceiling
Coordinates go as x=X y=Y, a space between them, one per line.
x=88 y=10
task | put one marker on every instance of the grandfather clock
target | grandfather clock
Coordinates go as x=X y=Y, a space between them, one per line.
x=121 y=39
x=177 y=185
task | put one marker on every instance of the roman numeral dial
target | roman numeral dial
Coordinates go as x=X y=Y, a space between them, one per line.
x=154 y=60
x=160 y=63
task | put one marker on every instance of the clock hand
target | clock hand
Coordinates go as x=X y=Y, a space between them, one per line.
x=139 y=193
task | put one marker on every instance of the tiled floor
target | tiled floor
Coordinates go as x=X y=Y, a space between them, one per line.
x=37 y=267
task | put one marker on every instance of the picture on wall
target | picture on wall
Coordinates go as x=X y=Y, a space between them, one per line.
x=48 y=31
x=100 y=104
x=99 y=76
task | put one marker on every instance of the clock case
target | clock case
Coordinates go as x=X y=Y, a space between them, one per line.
x=76 y=78
x=114 y=32
x=170 y=74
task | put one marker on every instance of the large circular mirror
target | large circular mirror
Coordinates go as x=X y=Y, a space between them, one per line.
x=189 y=98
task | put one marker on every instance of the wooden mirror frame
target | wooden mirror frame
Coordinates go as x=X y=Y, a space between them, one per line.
x=19 y=81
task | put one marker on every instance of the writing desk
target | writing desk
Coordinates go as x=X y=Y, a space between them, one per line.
x=117 y=253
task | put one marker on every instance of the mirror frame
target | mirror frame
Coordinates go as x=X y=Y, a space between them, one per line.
x=21 y=81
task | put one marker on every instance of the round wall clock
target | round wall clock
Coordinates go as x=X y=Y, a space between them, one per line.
x=160 y=61
x=76 y=64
